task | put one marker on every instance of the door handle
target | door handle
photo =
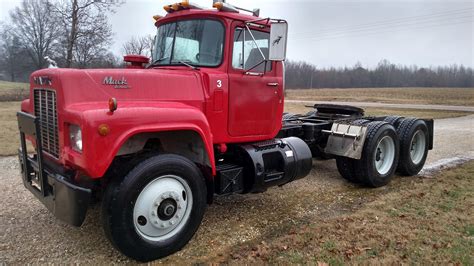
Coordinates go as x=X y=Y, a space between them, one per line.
x=272 y=84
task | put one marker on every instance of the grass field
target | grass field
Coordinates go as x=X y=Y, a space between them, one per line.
x=425 y=221
x=13 y=91
x=444 y=96
x=300 y=108
x=9 y=138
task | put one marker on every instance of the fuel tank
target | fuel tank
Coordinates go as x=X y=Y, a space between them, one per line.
x=261 y=165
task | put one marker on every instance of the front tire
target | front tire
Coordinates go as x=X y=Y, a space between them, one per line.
x=156 y=209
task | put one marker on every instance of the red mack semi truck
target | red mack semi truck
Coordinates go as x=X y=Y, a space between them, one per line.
x=155 y=142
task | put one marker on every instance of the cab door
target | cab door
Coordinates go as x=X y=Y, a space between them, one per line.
x=255 y=91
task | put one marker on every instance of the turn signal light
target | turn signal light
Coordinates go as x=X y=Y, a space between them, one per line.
x=104 y=130
x=112 y=104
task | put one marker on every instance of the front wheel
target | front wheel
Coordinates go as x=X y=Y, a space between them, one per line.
x=156 y=209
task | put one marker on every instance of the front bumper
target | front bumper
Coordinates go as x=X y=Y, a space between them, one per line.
x=67 y=201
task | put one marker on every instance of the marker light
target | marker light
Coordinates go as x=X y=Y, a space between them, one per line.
x=168 y=9
x=175 y=6
x=157 y=17
x=225 y=7
x=185 y=4
x=112 y=104
x=218 y=5
x=180 y=6
x=104 y=130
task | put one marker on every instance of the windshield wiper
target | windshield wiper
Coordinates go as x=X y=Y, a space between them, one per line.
x=188 y=65
x=158 y=60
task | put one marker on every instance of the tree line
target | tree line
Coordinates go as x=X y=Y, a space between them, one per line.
x=302 y=75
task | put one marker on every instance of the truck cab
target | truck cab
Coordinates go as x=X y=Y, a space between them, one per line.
x=157 y=140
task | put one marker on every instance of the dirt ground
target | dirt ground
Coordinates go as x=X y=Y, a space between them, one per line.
x=235 y=227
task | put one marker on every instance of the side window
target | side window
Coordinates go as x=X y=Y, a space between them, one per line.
x=245 y=53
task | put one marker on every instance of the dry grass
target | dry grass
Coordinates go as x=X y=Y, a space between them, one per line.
x=9 y=137
x=445 y=96
x=426 y=221
x=13 y=91
x=299 y=108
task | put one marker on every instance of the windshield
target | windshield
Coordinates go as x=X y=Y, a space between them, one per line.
x=195 y=42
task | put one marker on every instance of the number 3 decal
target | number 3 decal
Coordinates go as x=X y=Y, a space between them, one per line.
x=219 y=83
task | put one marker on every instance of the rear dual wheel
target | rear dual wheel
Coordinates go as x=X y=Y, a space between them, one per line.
x=405 y=151
x=379 y=156
x=414 y=135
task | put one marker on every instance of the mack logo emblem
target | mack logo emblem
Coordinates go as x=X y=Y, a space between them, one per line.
x=117 y=83
x=277 y=40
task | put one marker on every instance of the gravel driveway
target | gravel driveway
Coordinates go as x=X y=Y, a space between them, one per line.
x=30 y=234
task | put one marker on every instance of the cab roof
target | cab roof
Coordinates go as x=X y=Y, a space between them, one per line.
x=212 y=13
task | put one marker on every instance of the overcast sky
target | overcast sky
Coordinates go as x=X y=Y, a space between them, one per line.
x=340 y=33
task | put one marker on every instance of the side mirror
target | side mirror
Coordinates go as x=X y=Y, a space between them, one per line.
x=278 y=39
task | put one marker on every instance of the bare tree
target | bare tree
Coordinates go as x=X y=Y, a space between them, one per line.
x=10 y=50
x=138 y=45
x=81 y=19
x=94 y=45
x=36 y=28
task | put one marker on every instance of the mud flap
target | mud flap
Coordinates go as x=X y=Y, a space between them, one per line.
x=346 y=140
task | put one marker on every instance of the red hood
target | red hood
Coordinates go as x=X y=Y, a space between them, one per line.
x=97 y=85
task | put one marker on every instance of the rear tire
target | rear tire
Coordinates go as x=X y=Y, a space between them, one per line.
x=346 y=168
x=156 y=209
x=345 y=165
x=413 y=134
x=394 y=120
x=380 y=155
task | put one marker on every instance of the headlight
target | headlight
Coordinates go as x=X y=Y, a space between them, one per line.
x=75 y=136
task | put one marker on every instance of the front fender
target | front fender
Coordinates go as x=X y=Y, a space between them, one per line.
x=129 y=119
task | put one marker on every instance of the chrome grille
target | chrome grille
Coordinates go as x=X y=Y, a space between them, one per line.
x=46 y=111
